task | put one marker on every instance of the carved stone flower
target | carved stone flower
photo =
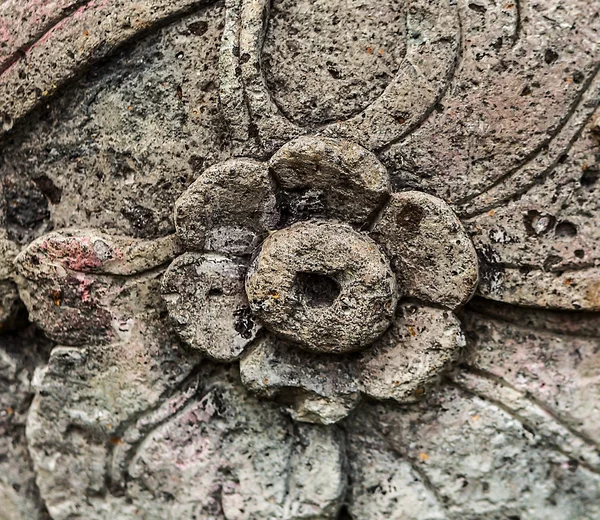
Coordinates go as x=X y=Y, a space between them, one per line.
x=318 y=279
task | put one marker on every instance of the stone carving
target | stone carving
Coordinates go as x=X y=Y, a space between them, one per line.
x=284 y=260
x=156 y=157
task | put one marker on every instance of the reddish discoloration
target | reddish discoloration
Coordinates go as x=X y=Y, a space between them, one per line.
x=84 y=285
x=39 y=19
x=74 y=253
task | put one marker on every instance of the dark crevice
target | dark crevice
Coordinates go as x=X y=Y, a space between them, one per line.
x=317 y=290
x=344 y=514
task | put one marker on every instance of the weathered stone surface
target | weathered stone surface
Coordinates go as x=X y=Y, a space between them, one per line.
x=433 y=31
x=315 y=388
x=385 y=484
x=51 y=60
x=347 y=53
x=432 y=255
x=421 y=344
x=490 y=106
x=9 y=304
x=67 y=282
x=555 y=382
x=543 y=250
x=21 y=23
x=176 y=468
x=258 y=478
x=525 y=86
x=322 y=285
x=461 y=457
x=228 y=209
x=87 y=396
x=115 y=149
x=329 y=178
x=20 y=353
x=9 y=296
x=411 y=356
x=207 y=304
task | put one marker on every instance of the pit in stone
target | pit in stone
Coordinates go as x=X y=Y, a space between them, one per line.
x=317 y=290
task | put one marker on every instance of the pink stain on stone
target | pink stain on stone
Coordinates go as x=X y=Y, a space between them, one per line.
x=84 y=288
x=39 y=19
x=74 y=253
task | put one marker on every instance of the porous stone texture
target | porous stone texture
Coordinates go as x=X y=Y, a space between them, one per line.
x=21 y=352
x=403 y=365
x=322 y=285
x=432 y=255
x=167 y=461
x=542 y=249
x=76 y=284
x=113 y=110
x=116 y=149
x=229 y=208
x=9 y=297
x=329 y=178
x=349 y=65
x=207 y=304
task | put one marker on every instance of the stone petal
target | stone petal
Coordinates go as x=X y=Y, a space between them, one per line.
x=329 y=178
x=228 y=209
x=430 y=251
x=68 y=287
x=317 y=388
x=91 y=251
x=420 y=345
x=207 y=304
x=321 y=388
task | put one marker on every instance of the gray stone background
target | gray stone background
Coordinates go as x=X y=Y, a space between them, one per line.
x=110 y=109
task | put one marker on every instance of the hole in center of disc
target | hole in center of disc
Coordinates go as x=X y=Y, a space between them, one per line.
x=317 y=290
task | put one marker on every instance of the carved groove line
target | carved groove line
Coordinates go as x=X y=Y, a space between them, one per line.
x=42 y=34
x=527 y=174
x=531 y=413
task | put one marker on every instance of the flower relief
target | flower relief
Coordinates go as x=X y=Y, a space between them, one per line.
x=320 y=281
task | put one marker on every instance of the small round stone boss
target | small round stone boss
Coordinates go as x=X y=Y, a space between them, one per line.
x=324 y=286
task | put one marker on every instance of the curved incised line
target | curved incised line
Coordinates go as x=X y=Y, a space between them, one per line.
x=163 y=12
x=474 y=205
x=43 y=32
x=449 y=81
x=491 y=388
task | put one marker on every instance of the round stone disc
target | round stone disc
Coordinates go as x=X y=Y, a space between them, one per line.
x=205 y=298
x=324 y=286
